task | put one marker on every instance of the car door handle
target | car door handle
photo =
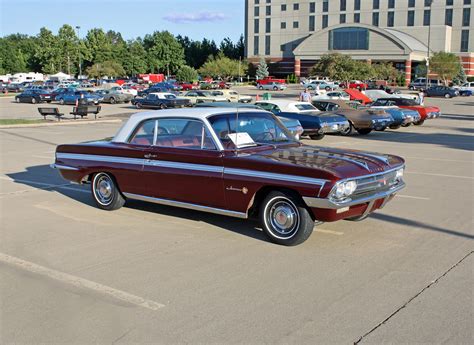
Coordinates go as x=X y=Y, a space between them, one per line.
x=149 y=155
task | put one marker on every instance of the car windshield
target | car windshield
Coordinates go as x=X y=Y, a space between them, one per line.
x=405 y=101
x=169 y=96
x=301 y=107
x=261 y=128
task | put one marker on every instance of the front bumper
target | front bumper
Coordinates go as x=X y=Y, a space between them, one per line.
x=335 y=127
x=433 y=115
x=326 y=203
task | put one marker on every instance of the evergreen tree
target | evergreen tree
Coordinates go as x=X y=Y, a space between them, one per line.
x=262 y=69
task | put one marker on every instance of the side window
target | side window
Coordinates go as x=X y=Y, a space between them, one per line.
x=192 y=94
x=145 y=133
x=265 y=106
x=183 y=133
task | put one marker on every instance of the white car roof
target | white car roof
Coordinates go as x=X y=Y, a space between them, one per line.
x=197 y=113
x=283 y=104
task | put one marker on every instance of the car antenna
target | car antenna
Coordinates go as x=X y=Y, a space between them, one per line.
x=237 y=128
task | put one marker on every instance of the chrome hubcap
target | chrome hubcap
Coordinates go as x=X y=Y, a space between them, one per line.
x=104 y=189
x=283 y=218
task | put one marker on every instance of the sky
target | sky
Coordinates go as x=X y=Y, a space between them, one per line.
x=197 y=19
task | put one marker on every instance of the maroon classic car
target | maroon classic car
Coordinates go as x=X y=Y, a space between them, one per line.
x=235 y=162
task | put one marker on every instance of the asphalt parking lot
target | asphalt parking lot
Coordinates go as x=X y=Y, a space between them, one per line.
x=71 y=273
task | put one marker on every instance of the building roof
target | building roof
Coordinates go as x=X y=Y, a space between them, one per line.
x=412 y=43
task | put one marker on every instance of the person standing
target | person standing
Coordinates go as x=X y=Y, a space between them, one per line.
x=305 y=96
x=421 y=96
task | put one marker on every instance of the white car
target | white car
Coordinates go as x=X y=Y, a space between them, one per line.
x=469 y=86
x=125 y=89
x=283 y=105
x=376 y=94
x=232 y=96
x=332 y=95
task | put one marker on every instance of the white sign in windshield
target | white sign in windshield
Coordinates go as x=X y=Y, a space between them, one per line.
x=242 y=139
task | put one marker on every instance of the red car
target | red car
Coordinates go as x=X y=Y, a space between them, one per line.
x=426 y=112
x=197 y=159
x=269 y=80
x=354 y=84
x=187 y=86
x=358 y=96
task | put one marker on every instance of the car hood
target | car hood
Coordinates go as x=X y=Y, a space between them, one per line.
x=321 y=162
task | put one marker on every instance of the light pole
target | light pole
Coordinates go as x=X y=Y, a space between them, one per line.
x=429 y=39
x=79 y=51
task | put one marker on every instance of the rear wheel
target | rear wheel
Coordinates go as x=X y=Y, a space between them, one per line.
x=138 y=105
x=260 y=87
x=394 y=126
x=318 y=136
x=106 y=193
x=447 y=95
x=364 y=131
x=61 y=101
x=17 y=100
x=348 y=130
x=275 y=88
x=112 y=100
x=285 y=220
x=162 y=106
x=33 y=100
x=419 y=123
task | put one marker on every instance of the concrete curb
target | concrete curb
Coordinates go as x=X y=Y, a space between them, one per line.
x=59 y=123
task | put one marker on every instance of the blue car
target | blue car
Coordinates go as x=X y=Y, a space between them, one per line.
x=401 y=117
x=73 y=97
x=316 y=124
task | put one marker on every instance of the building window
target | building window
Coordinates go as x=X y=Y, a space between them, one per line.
x=312 y=25
x=256 y=26
x=411 y=3
x=356 y=17
x=390 y=19
x=257 y=2
x=283 y=8
x=449 y=2
x=296 y=7
x=268 y=11
x=267 y=45
x=268 y=25
x=356 y=5
x=467 y=2
x=465 y=40
x=283 y=47
x=343 y=5
x=283 y=25
x=269 y=1
x=349 y=39
x=324 y=23
x=428 y=3
x=426 y=17
x=375 y=19
x=376 y=4
x=296 y=25
x=342 y=18
x=312 y=7
x=466 y=17
x=411 y=18
x=325 y=5
x=256 y=43
x=256 y=11
x=391 y=3
x=448 y=17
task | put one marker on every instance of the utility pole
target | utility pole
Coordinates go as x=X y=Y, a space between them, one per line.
x=428 y=53
x=79 y=51
x=240 y=62
x=68 y=64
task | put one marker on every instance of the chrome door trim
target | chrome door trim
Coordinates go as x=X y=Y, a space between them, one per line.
x=186 y=205
x=275 y=176
x=99 y=158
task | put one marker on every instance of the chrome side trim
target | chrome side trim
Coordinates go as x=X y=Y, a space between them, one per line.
x=62 y=167
x=186 y=205
x=331 y=204
x=98 y=158
x=275 y=176
x=186 y=166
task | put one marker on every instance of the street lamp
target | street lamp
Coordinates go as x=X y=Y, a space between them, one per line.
x=79 y=50
x=430 y=2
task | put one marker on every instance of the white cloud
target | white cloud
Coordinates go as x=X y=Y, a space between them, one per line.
x=195 y=17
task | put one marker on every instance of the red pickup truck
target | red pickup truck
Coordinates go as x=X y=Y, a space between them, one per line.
x=269 y=80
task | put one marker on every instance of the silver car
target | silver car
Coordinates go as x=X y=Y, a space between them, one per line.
x=273 y=86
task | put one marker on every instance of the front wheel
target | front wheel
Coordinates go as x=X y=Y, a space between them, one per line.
x=17 y=100
x=33 y=100
x=112 y=100
x=106 y=193
x=275 y=88
x=285 y=220
x=394 y=126
x=364 y=131
x=419 y=123
x=318 y=136
x=61 y=101
x=348 y=130
x=447 y=95
x=260 y=87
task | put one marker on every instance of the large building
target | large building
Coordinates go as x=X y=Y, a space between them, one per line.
x=294 y=34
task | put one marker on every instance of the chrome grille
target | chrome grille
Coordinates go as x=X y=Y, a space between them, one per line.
x=376 y=183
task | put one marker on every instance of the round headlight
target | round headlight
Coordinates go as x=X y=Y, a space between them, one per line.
x=349 y=187
x=399 y=174
x=339 y=192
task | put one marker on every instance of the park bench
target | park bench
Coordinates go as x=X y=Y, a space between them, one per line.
x=84 y=110
x=50 y=111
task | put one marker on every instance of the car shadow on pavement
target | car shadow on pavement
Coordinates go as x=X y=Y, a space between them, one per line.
x=458 y=117
x=416 y=224
x=45 y=178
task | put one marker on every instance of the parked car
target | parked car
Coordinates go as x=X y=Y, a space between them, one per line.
x=272 y=86
x=332 y=95
x=269 y=80
x=217 y=84
x=232 y=96
x=469 y=86
x=200 y=96
x=358 y=96
x=293 y=126
x=33 y=96
x=401 y=117
x=363 y=120
x=169 y=86
x=421 y=84
x=376 y=94
x=153 y=89
x=426 y=112
x=187 y=86
x=441 y=91
x=161 y=100
x=315 y=123
x=125 y=89
x=15 y=87
x=242 y=168
x=354 y=84
x=113 y=96
x=73 y=97
x=321 y=85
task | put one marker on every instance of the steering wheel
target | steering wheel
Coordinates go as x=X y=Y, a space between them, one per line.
x=163 y=130
x=266 y=136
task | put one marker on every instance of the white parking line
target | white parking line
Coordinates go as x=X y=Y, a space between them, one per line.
x=411 y=197
x=440 y=159
x=440 y=175
x=78 y=282
x=331 y=232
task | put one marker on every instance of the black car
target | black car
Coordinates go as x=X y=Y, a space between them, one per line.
x=161 y=101
x=33 y=96
x=154 y=89
x=15 y=87
x=441 y=91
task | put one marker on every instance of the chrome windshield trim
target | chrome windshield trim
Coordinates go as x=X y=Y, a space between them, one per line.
x=186 y=205
x=331 y=204
x=275 y=176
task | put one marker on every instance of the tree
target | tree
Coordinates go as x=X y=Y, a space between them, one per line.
x=134 y=61
x=68 y=49
x=98 y=47
x=107 y=68
x=384 y=71
x=164 y=52
x=420 y=70
x=186 y=73
x=222 y=66
x=262 y=69
x=445 y=65
x=461 y=77
x=335 y=66
x=48 y=52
